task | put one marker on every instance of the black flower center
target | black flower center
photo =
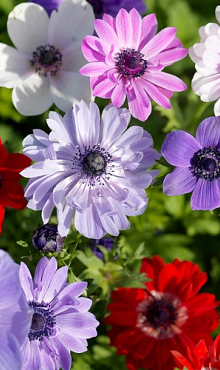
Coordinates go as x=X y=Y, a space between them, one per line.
x=161 y=314
x=97 y=7
x=205 y=164
x=93 y=164
x=38 y=322
x=131 y=63
x=46 y=59
x=43 y=321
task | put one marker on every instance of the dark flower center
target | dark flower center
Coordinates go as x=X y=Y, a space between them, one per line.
x=43 y=321
x=97 y=7
x=205 y=164
x=131 y=63
x=161 y=314
x=92 y=164
x=46 y=59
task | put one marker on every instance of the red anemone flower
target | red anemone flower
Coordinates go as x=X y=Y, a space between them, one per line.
x=200 y=358
x=168 y=314
x=11 y=192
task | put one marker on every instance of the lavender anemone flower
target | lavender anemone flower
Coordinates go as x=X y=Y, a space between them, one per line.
x=197 y=162
x=43 y=67
x=15 y=317
x=127 y=59
x=61 y=322
x=100 y=7
x=91 y=169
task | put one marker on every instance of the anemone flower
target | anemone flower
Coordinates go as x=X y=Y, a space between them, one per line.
x=205 y=55
x=44 y=68
x=90 y=168
x=60 y=319
x=15 y=316
x=168 y=314
x=126 y=59
x=197 y=162
x=11 y=192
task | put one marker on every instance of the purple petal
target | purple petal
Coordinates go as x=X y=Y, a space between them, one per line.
x=124 y=27
x=118 y=95
x=206 y=195
x=180 y=181
x=27 y=282
x=10 y=353
x=106 y=32
x=166 y=80
x=155 y=94
x=88 y=223
x=57 y=284
x=179 y=147
x=159 y=42
x=149 y=29
x=208 y=132
x=136 y=108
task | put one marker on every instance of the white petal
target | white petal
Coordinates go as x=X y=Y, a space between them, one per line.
x=68 y=88
x=28 y=26
x=73 y=21
x=14 y=66
x=33 y=96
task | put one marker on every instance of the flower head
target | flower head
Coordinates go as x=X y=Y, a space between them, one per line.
x=14 y=314
x=60 y=323
x=47 y=239
x=197 y=162
x=200 y=357
x=44 y=68
x=11 y=192
x=95 y=170
x=168 y=315
x=127 y=59
x=205 y=54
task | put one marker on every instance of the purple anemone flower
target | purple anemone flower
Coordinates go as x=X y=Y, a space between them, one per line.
x=60 y=323
x=91 y=169
x=14 y=314
x=127 y=59
x=197 y=162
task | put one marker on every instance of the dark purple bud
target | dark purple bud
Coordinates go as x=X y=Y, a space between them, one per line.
x=47 y=239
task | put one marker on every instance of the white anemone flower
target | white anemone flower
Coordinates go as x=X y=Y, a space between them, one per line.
x=206 y=56
x=43 y=69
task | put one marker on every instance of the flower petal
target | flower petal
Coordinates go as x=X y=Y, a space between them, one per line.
x=28 y=27
x=179 y=147
x=206 y=195
x=68 y=88
x=32 y=97
x=180 y=181
x=208 y=132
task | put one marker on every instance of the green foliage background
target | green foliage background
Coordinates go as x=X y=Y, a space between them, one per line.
x=168 y=228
